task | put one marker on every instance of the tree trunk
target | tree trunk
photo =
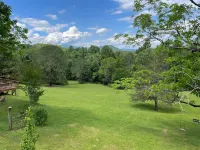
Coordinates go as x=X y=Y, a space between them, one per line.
x=156 y=104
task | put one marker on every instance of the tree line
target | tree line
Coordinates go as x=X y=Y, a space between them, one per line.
x=93 y=64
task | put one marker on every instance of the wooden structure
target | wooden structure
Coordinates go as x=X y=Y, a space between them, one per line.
x=7 y=85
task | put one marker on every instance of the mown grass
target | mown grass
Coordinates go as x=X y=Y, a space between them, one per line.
x=96 y=117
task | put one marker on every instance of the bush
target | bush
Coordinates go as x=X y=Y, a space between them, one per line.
x=30 y=137
x=40 y=116
x=22 y=108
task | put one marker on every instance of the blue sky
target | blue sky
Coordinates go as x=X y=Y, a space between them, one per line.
x=75 y=22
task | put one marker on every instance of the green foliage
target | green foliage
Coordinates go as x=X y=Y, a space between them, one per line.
x=94 y=49
x=120 y=73
x=107 y=52
x=30 y=137
x=22 y=109
x=11 y=39
x=40 y=116
x=31 y=78
x=82 y=64
x=107 y=69
x=53 y=63
x=123 y=83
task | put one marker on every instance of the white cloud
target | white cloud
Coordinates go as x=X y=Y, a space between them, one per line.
x=62 y=11
x=70 y=35
x=21 y=25
x=55 y=35
x=125 y=4
x=109 y=41
x=34 y=22
x=129 y=4
x=36 y=38
x=53 y=17
x=101 y=31
x=42 y=25
x=117 y=12
x=50 y=29
x=130 y=19
x=98 y=30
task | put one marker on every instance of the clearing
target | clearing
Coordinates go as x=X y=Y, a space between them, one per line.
x=96 y=117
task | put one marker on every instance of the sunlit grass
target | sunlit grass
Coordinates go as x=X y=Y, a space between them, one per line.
x=91 y=116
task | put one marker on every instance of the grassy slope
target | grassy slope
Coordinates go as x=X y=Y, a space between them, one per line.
x=93 y=116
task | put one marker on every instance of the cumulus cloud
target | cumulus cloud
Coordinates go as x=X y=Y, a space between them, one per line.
x=70 y=35
x=50 y=29
x=34 y=22
x=98 y=30
x=125 y=4
x=41 y=25
x=21 y=25
x=109 y=41
x=53 y=17
x=101 y=31
x=54 y=34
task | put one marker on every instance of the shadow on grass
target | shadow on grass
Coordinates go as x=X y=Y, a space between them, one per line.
x=59 y=116
x=162 y=108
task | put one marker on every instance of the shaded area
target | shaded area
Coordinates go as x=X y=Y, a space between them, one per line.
x=163 y=108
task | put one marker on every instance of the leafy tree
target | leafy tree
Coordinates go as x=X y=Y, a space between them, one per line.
x=107 y=69
x=120 y=73
x=175 y=25
x=53 y=63
x=94 y=49
x=31 y=78
x=11 y=38
x=71 y=48
x=106 y=52
x=82 y=71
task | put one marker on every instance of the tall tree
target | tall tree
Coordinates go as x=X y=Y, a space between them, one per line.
x=107 y=69
x=177 y=28
x=174 y=25
x=11 y=38
x=94 y=49
x=106 y=52
x=52 y=60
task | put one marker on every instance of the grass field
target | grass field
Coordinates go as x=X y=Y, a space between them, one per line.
x=95 y=117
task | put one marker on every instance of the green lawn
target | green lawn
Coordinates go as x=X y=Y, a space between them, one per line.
x=96 y=117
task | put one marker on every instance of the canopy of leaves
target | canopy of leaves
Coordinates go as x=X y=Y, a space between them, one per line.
x=11 y=39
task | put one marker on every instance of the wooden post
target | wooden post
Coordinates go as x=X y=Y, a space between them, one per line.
x=9 y=118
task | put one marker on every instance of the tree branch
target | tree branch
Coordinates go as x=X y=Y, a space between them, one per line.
x=189 y=103
x=192 y=1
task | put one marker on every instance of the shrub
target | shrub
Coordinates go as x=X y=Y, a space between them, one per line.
x=40 y=116
x=22 y=109
x=30 y=137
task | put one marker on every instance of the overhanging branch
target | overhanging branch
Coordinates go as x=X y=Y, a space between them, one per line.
x=189 y=103
x=192 y=1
